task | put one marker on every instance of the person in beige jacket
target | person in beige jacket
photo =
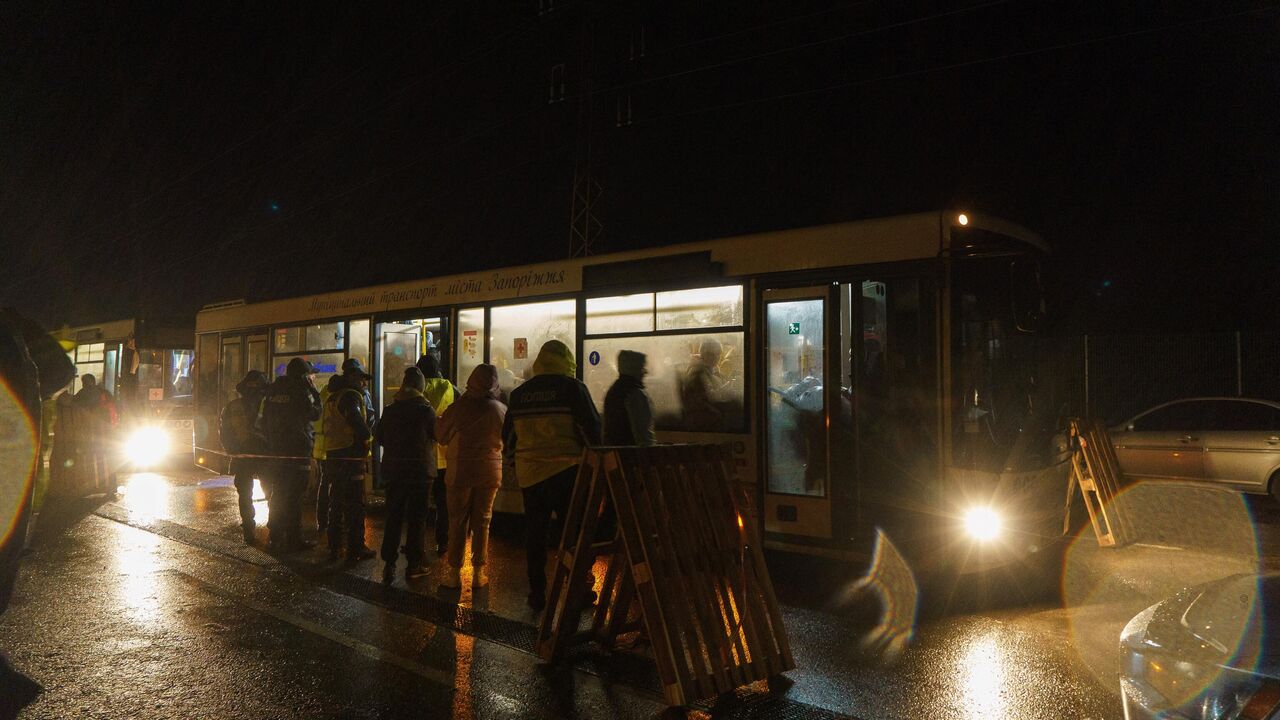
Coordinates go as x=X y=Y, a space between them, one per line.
x=471 y=430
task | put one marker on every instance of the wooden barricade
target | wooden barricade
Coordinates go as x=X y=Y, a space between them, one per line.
x=79 y=461
x=684 y=568
x=1096 y=471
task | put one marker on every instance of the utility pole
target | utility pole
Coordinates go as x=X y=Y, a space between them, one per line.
x=585 y=226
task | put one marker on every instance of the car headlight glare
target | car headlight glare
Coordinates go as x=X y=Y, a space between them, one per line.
x=146 y=446
x=983 y=523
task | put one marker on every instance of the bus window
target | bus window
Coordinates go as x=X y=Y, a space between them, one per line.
x=180 y=381
x=327 y=365
x=207 y=390
x=516 y=332
x=326 y=336
x=257 y=355
x=699 y=308
x=796 y=409
x=358 y=341
x=232 y=370
x=671 y=359
x=622 y=314
x=470 y=342
x=288 y=340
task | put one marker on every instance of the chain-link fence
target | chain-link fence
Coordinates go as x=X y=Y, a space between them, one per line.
x=1117 y=376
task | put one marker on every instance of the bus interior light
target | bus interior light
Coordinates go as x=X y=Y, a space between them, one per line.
x=962 y=219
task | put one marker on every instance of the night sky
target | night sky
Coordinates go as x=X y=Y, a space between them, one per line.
x=157 y=157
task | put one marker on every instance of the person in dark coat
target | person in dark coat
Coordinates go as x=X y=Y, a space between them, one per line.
x=628 y=413
x=240 y=429
x=406 y=433
x=346 y=443
x=292 y=404
x=441 y=394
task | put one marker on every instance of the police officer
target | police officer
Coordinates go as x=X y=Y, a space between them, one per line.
x=346 y=438
x=240 y=429
x=292 y=404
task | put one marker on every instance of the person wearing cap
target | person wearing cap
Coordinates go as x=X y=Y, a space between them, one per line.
x=240 y=429
x=628 y=413
x=347 y=433
x=291 y=404
x=551 y=419
x=406 y=433
x=440 y=393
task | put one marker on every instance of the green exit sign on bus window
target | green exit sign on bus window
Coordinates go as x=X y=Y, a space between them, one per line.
x=793 y=328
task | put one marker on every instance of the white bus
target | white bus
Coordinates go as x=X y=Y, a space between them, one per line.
x=146 y=364
x=864 y=373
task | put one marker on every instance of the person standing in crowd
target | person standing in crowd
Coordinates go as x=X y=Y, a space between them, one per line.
x=240 y=429
x=346 y=444
x=628 y=413
x=550 y=421
x=472 y=431
x=324 y=487
x=96 y=399
x=440 y=393
x=291 y=405
x=406 y=433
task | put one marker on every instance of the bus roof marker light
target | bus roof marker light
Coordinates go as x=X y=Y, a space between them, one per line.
x=962 y=219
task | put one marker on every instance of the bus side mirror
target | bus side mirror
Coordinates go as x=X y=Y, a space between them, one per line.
x=1027 y=295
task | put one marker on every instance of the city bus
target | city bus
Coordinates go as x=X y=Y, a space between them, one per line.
x=867 y=374
x=147 y=365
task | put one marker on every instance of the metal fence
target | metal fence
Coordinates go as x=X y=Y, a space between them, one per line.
x=1117 y=376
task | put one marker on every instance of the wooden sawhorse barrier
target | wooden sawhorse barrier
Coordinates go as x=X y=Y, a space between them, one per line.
x=685 y=567
x=1096 y=471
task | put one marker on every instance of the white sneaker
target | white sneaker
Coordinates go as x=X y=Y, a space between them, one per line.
x=452 y=577
x=478 y=576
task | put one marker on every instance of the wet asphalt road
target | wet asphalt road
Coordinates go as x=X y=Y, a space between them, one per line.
x=148 y=606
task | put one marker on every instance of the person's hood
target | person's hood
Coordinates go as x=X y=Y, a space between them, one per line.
x=254 y=383
x=299 y=368
x=336 y=383
x=555 y=358
x=429 y=366
x=631 y=363
x=484 y=382
x=408 y=394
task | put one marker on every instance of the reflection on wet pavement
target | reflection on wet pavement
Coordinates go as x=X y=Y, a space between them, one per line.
x=1039 y=661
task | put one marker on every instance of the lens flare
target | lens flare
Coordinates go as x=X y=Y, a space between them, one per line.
x=982 y=523
x=17 y=459
x=1182 y=536
x=147 y=446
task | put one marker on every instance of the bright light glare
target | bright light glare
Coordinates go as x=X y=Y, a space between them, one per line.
x=962 y=219
x=982 y=523
x=146 y=446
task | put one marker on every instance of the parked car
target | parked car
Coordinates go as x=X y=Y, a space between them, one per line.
x=1231 y=442
x=1210 y=652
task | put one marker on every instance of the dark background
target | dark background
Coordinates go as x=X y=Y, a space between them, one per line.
x=157 y=157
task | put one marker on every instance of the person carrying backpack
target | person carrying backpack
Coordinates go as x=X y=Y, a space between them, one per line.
x=406 y=433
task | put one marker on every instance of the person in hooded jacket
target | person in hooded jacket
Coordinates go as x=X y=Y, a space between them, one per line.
x=550 y=421
x=240 y=429
x=346 y=443
x=471 y=430
x=440 y=393
x=292 y=403
x=628 y=413
x=406 y=433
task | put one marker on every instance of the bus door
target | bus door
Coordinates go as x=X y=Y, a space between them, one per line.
x=803 y=411
x=400 y=344
x=893 y=374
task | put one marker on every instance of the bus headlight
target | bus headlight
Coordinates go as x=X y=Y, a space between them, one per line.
x=982 y=523
x=146 y=446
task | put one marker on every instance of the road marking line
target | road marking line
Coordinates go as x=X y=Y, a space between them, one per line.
x=369 y=651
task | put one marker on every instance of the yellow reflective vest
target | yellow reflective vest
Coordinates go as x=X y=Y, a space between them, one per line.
x=338 y=434
x=439 y=392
